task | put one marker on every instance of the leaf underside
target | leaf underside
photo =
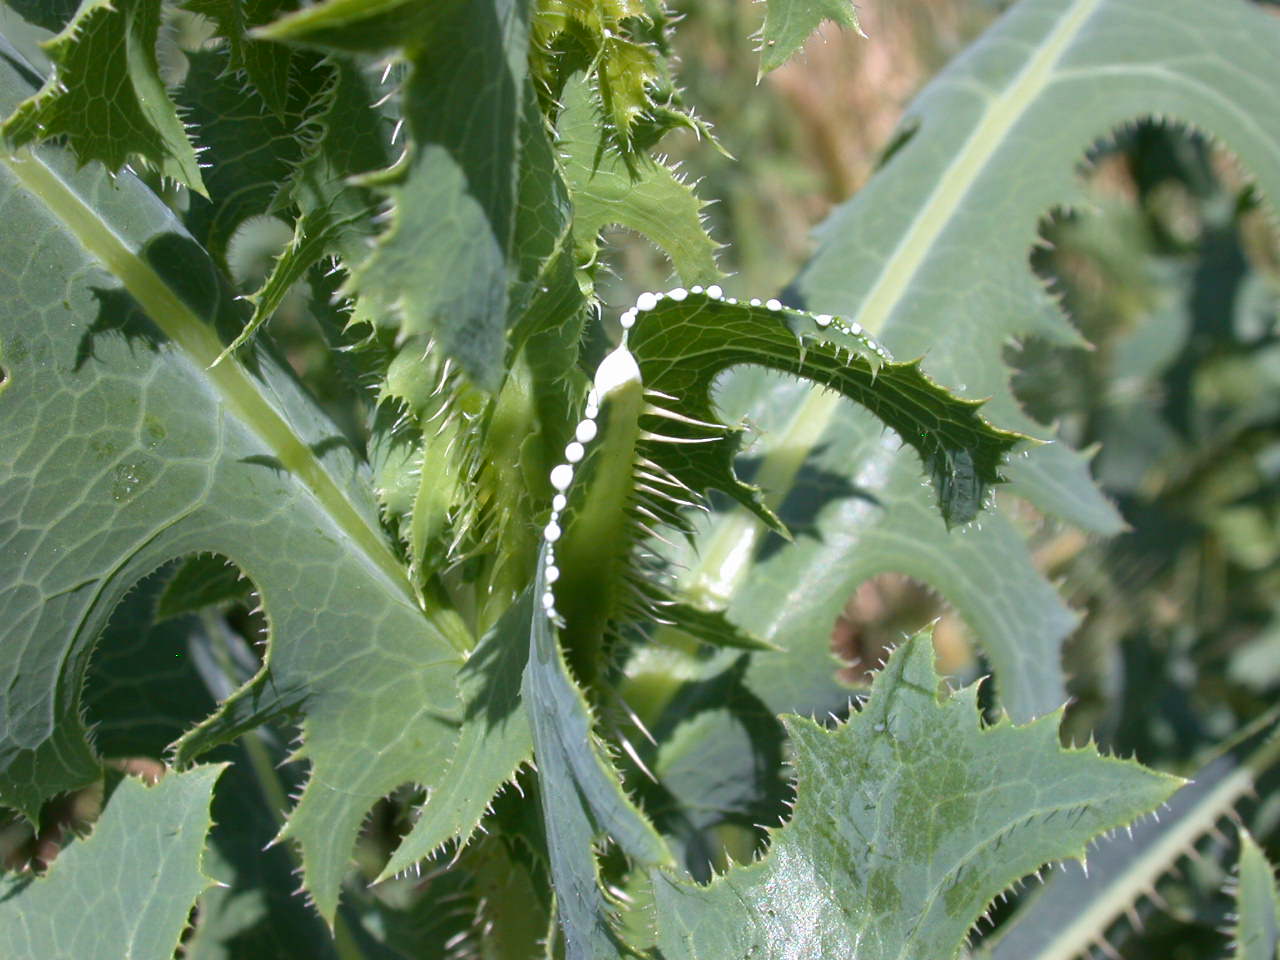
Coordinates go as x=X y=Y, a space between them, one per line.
x=931 y=259
x=127 y=889
x=109 y=376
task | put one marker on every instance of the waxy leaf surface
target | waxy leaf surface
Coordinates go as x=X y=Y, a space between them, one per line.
x=127 y=889
x=120 y=449
x=910 y=819
x=931 y=258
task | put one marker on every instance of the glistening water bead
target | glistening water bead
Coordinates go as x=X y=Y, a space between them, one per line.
x=620 y=366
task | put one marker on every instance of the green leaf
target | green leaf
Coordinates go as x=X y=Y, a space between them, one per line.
x=1257 y=927
x=979 y=167
x=544 y=291
x=910 y=819
x=128 y=888
x=105 y=95
x=108 y=346
x=144 y=690
x=332 y=211
x=361 y=26
x=931 y=257
x=621 y=46
x=252 y=911
x=265 y=64
x=710 y=626
x=226 y=116
x=456 y=468
x=443 y=265
x=151 y=682
x=581 y=795
x=686 y=338
x=493 y=743
x=862 y=509
x=788 y=23
x=637 y=193
x=1073 y=910
x=719 y=764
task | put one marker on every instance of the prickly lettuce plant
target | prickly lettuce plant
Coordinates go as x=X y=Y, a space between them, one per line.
x=506 y=573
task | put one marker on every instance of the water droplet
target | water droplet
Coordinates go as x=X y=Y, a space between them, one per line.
x=714 y=291
x=646 y=301
x=154 y=430
x=574 y=452
x=755 y=301
x=586 y=431
x=551 y=533
x=127 y=479
x=678 y=294
x=773 y=304
x=628 y=320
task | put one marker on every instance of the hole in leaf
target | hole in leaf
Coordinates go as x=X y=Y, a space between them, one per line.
x=885 y=610
x=180 y=641
x=1176 y=267
x=27 y=848
x=1174 y=277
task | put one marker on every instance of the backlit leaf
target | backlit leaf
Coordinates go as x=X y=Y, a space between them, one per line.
x=106 y=96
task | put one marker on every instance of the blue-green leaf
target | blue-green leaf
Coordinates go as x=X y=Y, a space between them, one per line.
x=442 y=266
x=108 y=333
x=582 y=798
x=128 y=888
x=909 y=820
x=1257 y=926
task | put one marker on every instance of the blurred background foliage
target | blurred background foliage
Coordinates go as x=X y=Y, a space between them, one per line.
x=1173 y=275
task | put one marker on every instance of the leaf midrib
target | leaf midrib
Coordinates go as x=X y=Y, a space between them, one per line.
x=721 y=570
x=201 y=345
